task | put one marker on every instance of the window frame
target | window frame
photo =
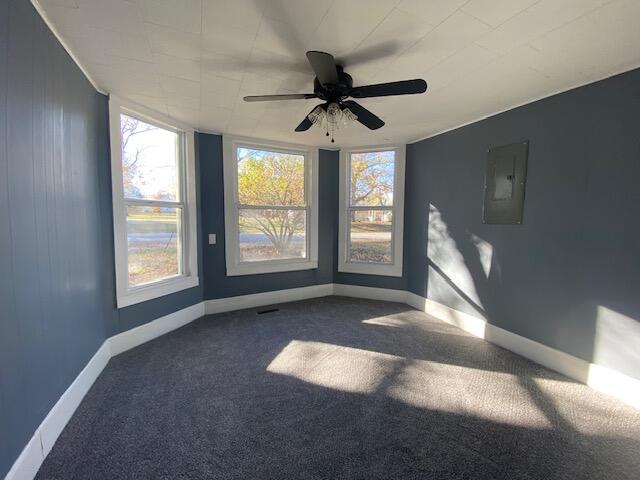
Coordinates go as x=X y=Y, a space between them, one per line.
x=126 y=295
x=232 y=208
x=395 y=268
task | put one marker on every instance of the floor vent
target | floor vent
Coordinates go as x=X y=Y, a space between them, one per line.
x=270 y=310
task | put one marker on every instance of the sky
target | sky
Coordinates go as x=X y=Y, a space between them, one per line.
x=156 y=166
x=384 y=172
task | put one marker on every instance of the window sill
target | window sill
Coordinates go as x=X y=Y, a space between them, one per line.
x=260 y=268
x=364 y=269
x=156 y=290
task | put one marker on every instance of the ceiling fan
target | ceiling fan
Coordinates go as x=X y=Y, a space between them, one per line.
x=333 y=85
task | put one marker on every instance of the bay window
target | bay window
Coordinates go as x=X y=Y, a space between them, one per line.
x=371 y=211
x=271 y=211
x=154 y=211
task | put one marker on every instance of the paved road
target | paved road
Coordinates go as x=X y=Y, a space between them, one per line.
x=150 y=237
x=260 y=239
x=164 y=237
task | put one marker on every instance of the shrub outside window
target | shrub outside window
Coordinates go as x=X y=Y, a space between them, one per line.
x=270 y=207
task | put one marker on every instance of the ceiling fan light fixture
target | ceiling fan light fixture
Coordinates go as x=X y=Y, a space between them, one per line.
x=334 y=115
x=317 y=116
x=331 y=118
x=349 y=116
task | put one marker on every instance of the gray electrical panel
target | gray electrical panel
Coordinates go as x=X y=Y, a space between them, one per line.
x=504 y=183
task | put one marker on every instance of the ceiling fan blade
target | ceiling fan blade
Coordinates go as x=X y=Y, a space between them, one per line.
x=404 y=87
x=324 y=66
x=365 y=117
x=304 y=125
x=270 y=98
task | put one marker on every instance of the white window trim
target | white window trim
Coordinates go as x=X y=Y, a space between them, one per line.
x=128 y=296
x=232 y=246
x=394 y=269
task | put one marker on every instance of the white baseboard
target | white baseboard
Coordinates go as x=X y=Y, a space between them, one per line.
x=63 y=410
x=45 y=436
x=374 y=293
x=473 y=325
x=27 y=464
x=229 y=304
x=34 y=453
x=137 y=336
x=598 y=377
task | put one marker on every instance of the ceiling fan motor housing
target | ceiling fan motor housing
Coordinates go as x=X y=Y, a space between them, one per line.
x=337 y=92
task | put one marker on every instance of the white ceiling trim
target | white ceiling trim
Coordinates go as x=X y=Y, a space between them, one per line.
x=485 y=52
x=527 y=102
x=208 y=132
x=54 y=30
x=150 y=112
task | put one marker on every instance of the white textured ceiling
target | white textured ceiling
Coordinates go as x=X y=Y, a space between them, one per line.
x=194 y=60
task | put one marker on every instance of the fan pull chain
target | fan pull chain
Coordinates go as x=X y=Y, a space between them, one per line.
x=327 y=134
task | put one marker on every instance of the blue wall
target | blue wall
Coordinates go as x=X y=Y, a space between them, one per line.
x=54 y=295
x=569 y=276
x=216 y=283
x=57 y=287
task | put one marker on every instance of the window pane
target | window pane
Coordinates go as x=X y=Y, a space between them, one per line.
x=150 y=159
x=372 y=178
x=272 y=234
x=153 y=243
x=270 y=178
x=370 y=236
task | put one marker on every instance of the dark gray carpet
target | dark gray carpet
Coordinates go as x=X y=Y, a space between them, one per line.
x=339 y=388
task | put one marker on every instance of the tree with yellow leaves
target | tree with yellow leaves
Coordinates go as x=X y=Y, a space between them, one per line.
x=274 y=180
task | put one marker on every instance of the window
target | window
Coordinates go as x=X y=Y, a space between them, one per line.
x=154 y=211
x=271 y=212
x=371 y=212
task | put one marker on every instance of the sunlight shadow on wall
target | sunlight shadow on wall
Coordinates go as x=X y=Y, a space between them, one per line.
x=617 y=339
x=616 y=342
x=485 y=253
x=447 y=263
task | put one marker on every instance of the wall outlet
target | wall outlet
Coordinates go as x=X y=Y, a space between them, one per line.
x=212 y=239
